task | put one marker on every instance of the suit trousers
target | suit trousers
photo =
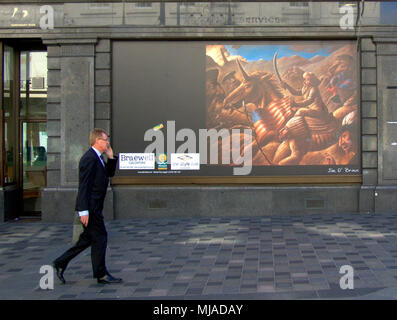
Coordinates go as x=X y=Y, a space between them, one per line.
x=94 y=235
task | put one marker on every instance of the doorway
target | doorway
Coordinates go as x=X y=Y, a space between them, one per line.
x=24 y=132
x=34 y=165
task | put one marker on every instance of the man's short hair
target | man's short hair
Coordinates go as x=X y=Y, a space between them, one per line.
x=96 y=133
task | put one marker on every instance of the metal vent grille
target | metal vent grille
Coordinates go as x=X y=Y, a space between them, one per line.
x=157 y=204
x=314 y=204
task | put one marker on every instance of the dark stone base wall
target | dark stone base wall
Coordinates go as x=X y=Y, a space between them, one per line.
x=128 y=202
x=58 y=205
x=226 y=201
x=386 y=199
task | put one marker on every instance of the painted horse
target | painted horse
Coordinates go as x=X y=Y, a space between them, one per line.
x=261 y=98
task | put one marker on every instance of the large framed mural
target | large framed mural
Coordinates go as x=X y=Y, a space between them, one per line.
x=270 y=109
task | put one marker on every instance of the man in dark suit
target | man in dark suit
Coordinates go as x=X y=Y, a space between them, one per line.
x=94 y=175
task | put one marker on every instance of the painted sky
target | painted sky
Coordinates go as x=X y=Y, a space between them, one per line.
x=388 y=13
x=266 y=52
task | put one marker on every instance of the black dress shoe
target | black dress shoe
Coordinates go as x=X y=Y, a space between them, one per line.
x=59 y=272
x=108 y=279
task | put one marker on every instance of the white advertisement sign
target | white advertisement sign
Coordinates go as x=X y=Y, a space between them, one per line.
x=137 y=161
x=185 y=161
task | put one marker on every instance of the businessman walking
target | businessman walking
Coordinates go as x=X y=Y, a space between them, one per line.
x=94 y=175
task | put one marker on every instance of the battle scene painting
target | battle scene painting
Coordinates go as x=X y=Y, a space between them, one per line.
x=300 y=99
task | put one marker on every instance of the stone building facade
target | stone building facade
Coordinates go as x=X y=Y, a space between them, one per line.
x=79 y=98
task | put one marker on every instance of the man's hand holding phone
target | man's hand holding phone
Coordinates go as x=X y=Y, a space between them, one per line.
x=109 y=152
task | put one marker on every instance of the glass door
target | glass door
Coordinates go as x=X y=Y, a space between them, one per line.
x=9 y=113
x=9 y=133
x=34 y=165
x=32 y=129
x=23 y=133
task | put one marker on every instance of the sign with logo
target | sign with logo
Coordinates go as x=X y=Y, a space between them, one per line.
x=136 y=161
x=185 y=161
x=162 y=163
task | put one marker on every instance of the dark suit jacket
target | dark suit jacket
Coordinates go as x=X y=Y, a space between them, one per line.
x=93 y=182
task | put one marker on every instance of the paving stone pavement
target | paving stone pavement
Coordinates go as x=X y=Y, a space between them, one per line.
x=271 y=257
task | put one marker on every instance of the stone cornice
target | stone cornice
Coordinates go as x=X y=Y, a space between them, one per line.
x=63 y=41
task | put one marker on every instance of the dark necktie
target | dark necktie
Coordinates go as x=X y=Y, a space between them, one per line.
x=103 y=161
